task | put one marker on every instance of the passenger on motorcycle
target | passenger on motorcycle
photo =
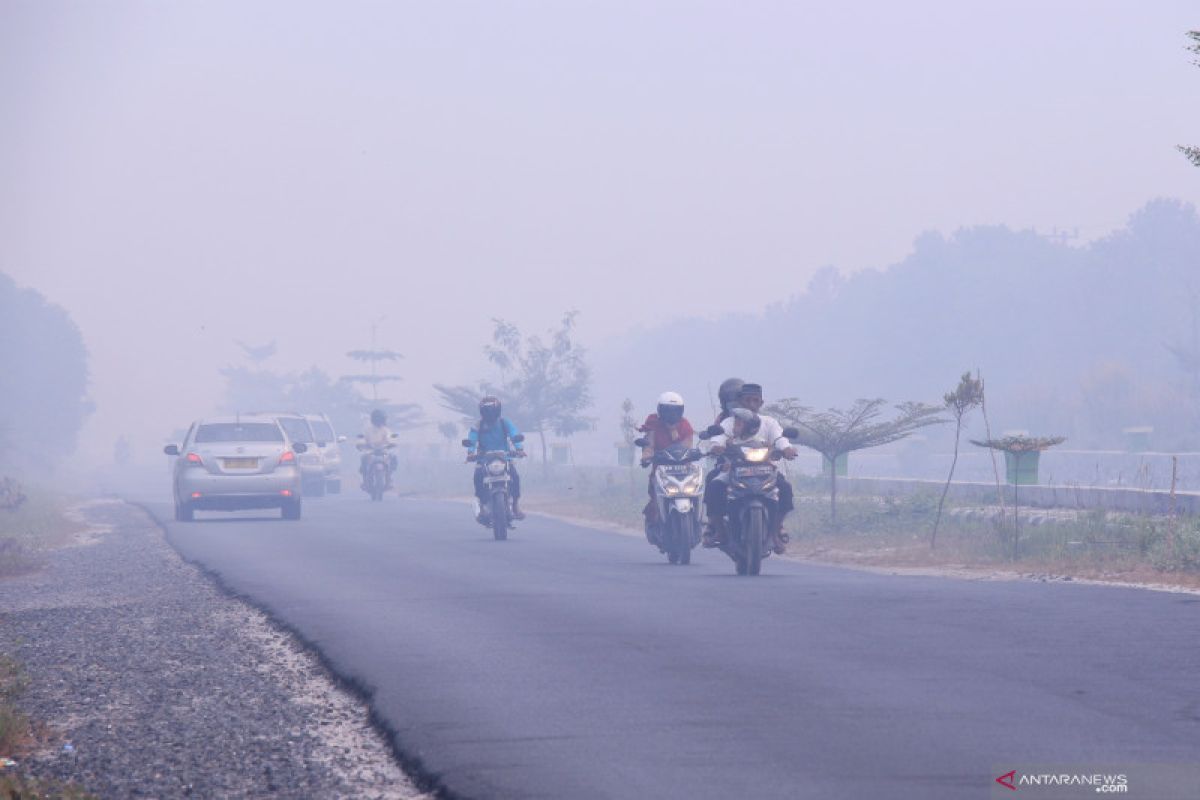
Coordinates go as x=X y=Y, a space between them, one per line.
x=494 y=432
x=739 y=429
x=667 y=427
x=727 y=396
x=377 y=436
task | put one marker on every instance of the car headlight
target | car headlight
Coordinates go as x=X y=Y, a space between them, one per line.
x=755 y=454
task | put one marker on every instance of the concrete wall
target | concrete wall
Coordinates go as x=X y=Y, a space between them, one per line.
x=1084 y=497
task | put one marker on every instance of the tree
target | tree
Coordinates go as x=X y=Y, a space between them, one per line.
x=373 y=356
x=449 y=431
x=43 y=378
x=543 y=385
x=1016 y=447
x=401 y=416
x=836 y=432
x=1193 y=153
x=629 y=424
x=966 y=396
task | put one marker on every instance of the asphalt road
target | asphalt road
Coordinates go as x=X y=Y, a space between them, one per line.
x=575 y=663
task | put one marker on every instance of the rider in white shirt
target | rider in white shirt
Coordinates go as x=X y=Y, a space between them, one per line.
x=740 y=428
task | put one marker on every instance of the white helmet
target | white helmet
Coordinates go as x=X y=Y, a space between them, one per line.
x=670 y=407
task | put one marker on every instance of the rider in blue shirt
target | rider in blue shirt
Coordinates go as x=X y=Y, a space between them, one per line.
x=494 y=432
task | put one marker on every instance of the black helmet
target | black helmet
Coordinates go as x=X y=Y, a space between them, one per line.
x=378 y=417
x=489 y=409
x=728 y=393
x=670 y=407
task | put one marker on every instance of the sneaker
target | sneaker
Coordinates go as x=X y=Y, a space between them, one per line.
x=712 y=536
x=781 y=539
x=517 y=512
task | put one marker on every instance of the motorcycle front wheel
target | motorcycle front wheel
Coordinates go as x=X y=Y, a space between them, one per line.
x=756 y=529
x=500 y=516
x=681 y=539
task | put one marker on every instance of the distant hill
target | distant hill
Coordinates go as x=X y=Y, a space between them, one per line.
x=1079 y=341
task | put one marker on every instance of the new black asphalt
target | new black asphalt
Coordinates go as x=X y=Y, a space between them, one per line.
x=569 y=662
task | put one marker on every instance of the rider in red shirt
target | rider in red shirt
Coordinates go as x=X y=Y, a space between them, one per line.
x=666 y=428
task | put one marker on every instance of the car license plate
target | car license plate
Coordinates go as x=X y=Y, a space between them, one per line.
x=240 y=463
x=750 y=472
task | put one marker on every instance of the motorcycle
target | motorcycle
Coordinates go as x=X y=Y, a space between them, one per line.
x=496 y=511
x=377 y=473
x=751 y=480
x=678 y=490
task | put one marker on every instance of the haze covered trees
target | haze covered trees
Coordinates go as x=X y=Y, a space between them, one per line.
x=544 y=384
x=43 y=379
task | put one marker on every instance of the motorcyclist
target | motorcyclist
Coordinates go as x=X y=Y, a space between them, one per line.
x=739 y=428
x=377 y=436
x=494 y=432
x=667 y=427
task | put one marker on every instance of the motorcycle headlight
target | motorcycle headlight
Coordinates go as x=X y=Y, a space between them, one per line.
x=693 y=482
x=496 y=467
x=756 y=454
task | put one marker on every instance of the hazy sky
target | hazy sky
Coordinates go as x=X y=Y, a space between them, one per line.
x=179 y=175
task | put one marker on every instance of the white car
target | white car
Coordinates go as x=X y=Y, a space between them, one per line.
x=236 y=462
x=327 y=442
x=312 y=461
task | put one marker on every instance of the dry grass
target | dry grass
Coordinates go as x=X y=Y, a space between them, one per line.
x=39 y=523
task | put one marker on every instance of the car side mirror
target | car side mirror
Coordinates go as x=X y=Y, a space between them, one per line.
x=466 y=442
x=520 y=437
x=790 y=433
x=300 y=447
x=641 y=441
x=171 y=449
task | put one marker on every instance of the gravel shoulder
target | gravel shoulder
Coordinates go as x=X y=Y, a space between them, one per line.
x=148 y=681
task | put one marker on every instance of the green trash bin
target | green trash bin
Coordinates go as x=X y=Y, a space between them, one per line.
x=1021 y=469
x=842 y=462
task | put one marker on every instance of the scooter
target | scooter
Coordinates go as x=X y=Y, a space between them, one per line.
x=377 y=473
x=678 y=490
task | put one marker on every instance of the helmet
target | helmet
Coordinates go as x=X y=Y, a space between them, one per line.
x=670 y=407
x=489 y=408
x=728 y=393
x=378 y=417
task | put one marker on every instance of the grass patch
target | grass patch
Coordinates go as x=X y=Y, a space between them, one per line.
x=38 y=523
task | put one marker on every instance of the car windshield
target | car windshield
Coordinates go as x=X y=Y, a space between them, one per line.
x=322 y=430
x=238 y=432
x=297 y=429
